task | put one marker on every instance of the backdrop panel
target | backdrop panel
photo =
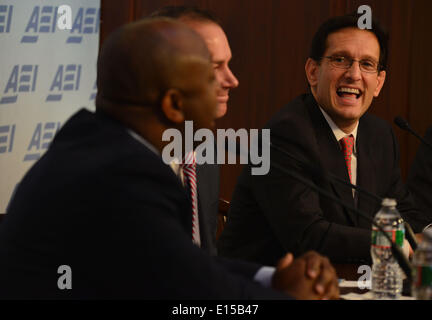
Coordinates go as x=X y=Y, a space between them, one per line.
x=46 y=74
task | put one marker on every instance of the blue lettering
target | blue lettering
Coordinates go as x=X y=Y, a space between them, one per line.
x=58 y=79
x=78 y=21
x=36 y=139
x=34 y=19
x=13 y=80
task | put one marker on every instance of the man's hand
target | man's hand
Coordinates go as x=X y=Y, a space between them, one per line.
x=419 y=237
x=308 y=277
x=407 y=250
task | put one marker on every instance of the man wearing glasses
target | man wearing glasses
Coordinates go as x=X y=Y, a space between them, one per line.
x=327 y=130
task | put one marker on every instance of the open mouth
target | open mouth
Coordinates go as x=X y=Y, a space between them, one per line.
x=345 y=92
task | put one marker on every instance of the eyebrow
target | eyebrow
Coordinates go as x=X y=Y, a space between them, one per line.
x=344 y=53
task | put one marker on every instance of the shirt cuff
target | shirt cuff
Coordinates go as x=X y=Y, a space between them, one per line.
x=264 y=276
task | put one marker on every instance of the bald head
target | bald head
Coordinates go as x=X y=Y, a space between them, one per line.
x=156 y=74
x=141 y=61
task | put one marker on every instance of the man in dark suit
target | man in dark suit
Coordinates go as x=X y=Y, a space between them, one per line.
x=420 y=176
x=330 y=129
x=209 y=28
x=101 y=215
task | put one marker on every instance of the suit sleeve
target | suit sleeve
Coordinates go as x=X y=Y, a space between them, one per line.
x=398 y=190
x=294 y=212
x=420 y=178
x=157 y=258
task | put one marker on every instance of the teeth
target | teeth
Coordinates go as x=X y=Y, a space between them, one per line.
x=349 y=90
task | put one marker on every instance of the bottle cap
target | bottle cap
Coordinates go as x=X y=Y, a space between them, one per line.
x=388 y=202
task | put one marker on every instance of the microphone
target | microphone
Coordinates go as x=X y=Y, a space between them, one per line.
x=404 y=125
x=396 y=251
x=324 y=174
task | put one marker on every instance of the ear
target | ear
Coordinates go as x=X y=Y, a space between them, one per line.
x=312 y=68
x=380 y=80
x=172 y=106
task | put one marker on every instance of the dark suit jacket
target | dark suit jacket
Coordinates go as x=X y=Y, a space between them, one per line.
x=273 y=214
x=102 y=203
x=420 y=177
x=208 y=205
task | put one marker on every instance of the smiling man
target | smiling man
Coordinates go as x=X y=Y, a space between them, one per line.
x=347 y=77
x=209 y=28
x=330 y=130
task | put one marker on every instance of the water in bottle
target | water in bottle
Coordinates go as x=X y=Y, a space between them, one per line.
x=386 y=273
x=422 y=262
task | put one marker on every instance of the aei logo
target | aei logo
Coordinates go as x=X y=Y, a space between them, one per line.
x=67 y=78
x=41 y=139
x=21 y=79
x=7 y=134
x=5 y=18
x=46 y=19
x=42 y=20
x=86 y=22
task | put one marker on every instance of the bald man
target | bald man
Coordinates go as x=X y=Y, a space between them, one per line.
x=100 y=215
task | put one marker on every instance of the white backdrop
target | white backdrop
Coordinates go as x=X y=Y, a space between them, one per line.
x=46 y=74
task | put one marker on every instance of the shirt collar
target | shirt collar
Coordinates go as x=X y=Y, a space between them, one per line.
x=140 y=139
x=338 y=133
x=174 y=164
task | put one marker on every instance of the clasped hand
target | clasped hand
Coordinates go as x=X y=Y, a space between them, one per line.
x=309 y=277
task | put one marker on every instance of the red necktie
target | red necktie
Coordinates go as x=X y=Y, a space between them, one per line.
x=189 y=171
x=347 y=144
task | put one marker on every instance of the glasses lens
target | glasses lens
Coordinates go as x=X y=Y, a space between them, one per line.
x=368 y=66
x=340 y=62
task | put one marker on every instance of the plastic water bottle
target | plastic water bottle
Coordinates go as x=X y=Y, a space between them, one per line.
x=386 y=273
x=422 y=262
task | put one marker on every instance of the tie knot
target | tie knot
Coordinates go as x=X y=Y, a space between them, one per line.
x=347 y=144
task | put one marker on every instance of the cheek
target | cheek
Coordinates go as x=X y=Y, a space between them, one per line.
x=326 y=89
x=219 y=76
x=373 y=89
x=324 y=82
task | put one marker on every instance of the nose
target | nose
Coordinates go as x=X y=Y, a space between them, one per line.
x=354 y=71
x=229 y=79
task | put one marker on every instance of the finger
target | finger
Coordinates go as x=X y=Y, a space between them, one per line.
x=407 y=248
x=286 y=261
x=332 y=291
x=326 y=278
x=419 y=237
x=313 y=264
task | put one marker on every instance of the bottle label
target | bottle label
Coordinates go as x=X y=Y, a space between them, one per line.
x=380 y=241
x=423 y=276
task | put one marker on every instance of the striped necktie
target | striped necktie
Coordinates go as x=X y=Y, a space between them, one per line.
x=347 y=144
x=189 y=172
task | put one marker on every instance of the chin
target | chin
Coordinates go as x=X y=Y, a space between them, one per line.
x=350 y=112
x=221 y=110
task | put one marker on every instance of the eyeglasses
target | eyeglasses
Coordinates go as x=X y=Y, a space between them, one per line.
x=366 y=65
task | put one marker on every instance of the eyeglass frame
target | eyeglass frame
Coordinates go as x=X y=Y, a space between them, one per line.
x=377 y=70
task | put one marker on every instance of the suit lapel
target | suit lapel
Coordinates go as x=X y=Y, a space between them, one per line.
x=201 y=186
x=365 y=174
x=332 y=157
